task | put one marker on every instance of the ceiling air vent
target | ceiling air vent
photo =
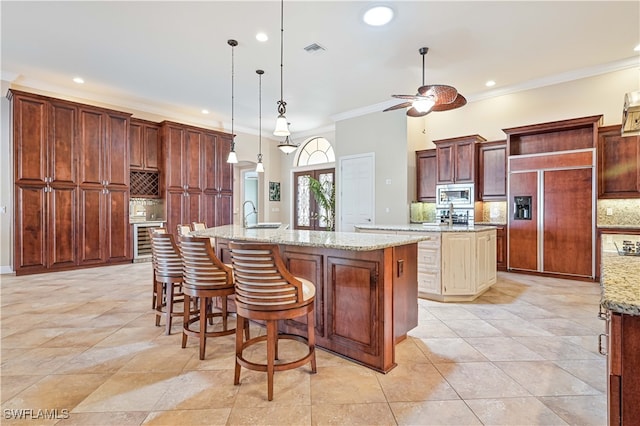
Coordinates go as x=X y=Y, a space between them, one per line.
x=314 y=48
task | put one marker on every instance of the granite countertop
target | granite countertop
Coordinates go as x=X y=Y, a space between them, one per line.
x=430 y=227
x=620 y=283
x=630 y=227
x=334 y=240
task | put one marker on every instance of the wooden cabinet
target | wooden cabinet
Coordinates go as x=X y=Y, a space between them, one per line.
x=458 y=261
x=426 y=166
x=623 y=364
x=104 y=233
x=198 y=181
x=492 y=171
x=144 y=143
x=501 y=247
x=46 y=189
x=456 y=159
x=618 y=164
x=71 y=184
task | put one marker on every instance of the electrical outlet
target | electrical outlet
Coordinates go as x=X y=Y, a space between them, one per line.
x=3 y=209
x=609 y=211
x=388 y=181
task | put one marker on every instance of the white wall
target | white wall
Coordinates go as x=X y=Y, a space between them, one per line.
x=386 y=135
x=6 y=183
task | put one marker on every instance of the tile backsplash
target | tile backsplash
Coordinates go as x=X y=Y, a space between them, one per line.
x=494 y=212
x=147 y=208
x=619 y=212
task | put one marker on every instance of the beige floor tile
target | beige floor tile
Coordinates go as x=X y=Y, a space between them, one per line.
x=160 y=358
x=128 y=418
x=102 y=359
x=204 y=417
x=579 y=410
x=544 y=378
x=10 y=386
x=490 y=312
x=57 y=392
x=449 y=350
x=591 y=371
x=345 y=385
x=431 y=329
x=558 y=347
x=352 y=414
x=199 y=389
x=514 y=411
x=39 y=361
x=563 y=327
x=502 y=349
x=518 y=327
x=472 y=328
x=415 y=382
x=435 y=413
x=452 y=312
x=129 y=335
x=78 y=337
x=480 y=380
x=127 y=392
x=299 y=415
x=31 y=338
x=408 y=352
x=290 y=387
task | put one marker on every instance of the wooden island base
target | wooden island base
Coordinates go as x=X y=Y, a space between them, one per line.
x=366 y=301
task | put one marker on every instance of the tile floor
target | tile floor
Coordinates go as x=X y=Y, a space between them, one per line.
x=524 y=353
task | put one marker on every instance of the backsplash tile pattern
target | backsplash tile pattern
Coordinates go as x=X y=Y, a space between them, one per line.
x=147 y=208
x=494 y=212
x=423 y=212
x=623 y=212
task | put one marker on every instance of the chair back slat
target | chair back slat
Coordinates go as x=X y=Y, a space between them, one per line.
x=198 y=226
x=262 y=281
x=183 y=230
x=201 y=267
x=165 y=255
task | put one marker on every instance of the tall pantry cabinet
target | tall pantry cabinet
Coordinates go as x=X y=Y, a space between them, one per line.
x=198 y=184
x=71 y=184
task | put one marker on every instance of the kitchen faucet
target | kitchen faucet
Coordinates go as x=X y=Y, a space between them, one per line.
x=255 y=211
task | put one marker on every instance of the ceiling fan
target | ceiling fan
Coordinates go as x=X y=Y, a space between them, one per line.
x=433 y=97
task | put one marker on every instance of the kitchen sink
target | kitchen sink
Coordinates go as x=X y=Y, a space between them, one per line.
x=267 y=225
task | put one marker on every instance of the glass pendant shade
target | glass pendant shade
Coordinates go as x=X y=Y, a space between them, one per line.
x=282 y=127
x=232 y=158
x=287 y=147
x=260 y=167
x=423 y=105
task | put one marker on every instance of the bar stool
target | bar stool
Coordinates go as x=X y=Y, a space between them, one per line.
x=182 y=229
x=198 y=226
x=267 y=291
x=205 y=278
x=167 y=265
x=153 y=263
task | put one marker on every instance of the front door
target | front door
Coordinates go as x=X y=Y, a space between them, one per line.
x=308 y=213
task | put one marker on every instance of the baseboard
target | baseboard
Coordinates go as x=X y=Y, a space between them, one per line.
x=6 y=270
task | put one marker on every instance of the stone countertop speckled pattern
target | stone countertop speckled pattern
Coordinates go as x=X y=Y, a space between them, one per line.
x=417 y=227
x=334 y=240
x=620 y=283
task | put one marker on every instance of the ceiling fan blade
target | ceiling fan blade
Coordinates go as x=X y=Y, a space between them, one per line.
x=442 y=94
x=457 y=103
x=412 y=97
x=399 y=106
x=412 y=112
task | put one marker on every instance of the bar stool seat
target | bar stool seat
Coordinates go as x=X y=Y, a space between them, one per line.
x=267 y=291
x=205 y=278
x=167 y=264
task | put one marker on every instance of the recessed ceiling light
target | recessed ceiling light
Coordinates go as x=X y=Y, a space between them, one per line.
x=637 y=48
x=378 y=15
x=490 y=83
x=78 y=80
x=205 y=111
x=262 y=37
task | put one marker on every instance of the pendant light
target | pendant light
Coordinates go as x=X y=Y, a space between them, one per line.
x=260 y=166
x=282 y=127
x=233 y=158
x=287 y=146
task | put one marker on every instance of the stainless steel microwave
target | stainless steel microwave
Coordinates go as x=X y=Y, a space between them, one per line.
x=461 y=195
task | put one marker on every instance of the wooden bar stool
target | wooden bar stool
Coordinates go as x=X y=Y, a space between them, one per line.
x=205 y=278
x=167 y=266
x=267 y=291
x=153 y=263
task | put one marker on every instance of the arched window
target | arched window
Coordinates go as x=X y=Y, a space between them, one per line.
x=316 y=151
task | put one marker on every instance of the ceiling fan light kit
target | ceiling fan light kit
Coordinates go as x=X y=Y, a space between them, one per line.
x=433 y=97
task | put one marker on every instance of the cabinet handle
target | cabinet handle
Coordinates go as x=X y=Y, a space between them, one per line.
x=603 y=315
x=400 y=263
x=603 y=351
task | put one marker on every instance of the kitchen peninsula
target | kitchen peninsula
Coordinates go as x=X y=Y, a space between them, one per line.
x=366 y=286
x=455 y=263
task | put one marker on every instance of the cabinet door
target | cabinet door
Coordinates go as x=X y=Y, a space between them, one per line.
x=136 y=145
x=117 y=224
x=209 y=155
x=446 y=162
x=224 y=209
x=501 y=248
x=193 y=155
x=151 y=148
x=486 y=259
x=173 y=204
x=173 y=140
x=426 y=166
x=618 y=164
x=492 y=171
x=464 y=156
x=62 y=242
x=30 y=140
x=458 y=263
x=523 y=234
x=30 y=226
x=568 y=222
x=116 y=147
x=91 y=147
x=224 y=170
x=92 y=233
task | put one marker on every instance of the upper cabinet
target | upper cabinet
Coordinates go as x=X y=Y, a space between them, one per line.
x=426 y=166
x=492 y=167
x=144 y=139
x=456 y=159
x=618 y=164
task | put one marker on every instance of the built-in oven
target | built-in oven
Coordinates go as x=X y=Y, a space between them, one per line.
x=461 y=195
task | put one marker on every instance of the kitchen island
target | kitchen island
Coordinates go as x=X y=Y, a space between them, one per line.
x=620 y=303
x=366 y=286
x=455 y=263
